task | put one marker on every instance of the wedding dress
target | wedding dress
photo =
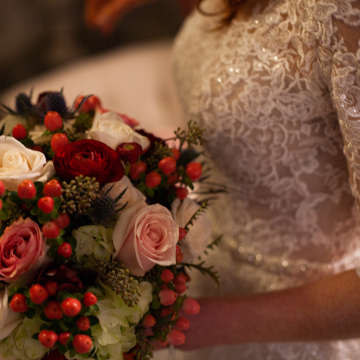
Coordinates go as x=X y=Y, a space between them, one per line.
x=278 y=95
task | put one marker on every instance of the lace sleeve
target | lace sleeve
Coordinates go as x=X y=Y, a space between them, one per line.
x=341 y=43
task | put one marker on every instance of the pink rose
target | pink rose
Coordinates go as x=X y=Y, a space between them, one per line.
x=21 y=247
x=145 y=235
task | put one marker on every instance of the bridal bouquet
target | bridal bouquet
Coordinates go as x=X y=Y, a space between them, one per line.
x=97 y=232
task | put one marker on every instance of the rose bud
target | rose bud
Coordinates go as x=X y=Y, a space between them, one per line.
x=129 y=152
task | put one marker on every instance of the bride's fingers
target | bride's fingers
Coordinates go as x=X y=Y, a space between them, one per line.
x=103 y=14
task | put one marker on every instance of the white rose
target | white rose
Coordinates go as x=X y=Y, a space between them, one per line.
x=9 y=320
x=18 y=163
x=131 y=195
x=111 y=129
x=199 y=235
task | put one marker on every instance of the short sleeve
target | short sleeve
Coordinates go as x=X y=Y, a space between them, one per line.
x=341 y=43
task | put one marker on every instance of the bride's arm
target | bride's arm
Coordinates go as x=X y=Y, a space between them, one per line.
x=323 y=310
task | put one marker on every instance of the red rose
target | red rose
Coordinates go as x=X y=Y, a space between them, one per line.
x=89 y=158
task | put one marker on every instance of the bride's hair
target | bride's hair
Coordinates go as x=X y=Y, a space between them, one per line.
x=231 y=9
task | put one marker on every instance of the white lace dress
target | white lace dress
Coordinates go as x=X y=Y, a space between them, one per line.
x=279 y=97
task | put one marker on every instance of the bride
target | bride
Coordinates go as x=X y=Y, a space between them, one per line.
x=276 y=85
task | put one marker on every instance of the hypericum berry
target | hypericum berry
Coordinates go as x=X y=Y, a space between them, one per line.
x=180 y=288
x=26 y=190
x=181 y=278
x=167 y=165
x=65 y=250
x=137 y=169
x=46 y=204
x=53 y=310
x=18 y=303
x=51 y=287
x=19 y=132
x=2 y=188
x=129 y=152
x=166 y=312
x=91 y=103
x=182 y=233
x=152 y=179
x=64 y=338
x=1 y=204
x=62 y=221
x=83 y=323
x=167 y=297
x=89 y=299
x=176 y=153
x=52 y=188
x=58 y=142
x=179 y=254
x=53 y=121
x=181 y=192
x=50 y=230
x=182 y=323
x=172 y=179
x=38 y=294
x=167 y=275
x=191 y=306
x=194 y=170
x=82 y=343
x=149 y=321
x=71 y=307
x=48 y=338
x=176 y=337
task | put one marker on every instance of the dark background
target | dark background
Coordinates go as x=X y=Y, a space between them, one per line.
x=38 y=35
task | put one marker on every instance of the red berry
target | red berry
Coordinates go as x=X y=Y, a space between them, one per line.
x=182 y=233
x=53 y=121
x=50 y=230
x=38 y=294
x=53 y=310
x=167 y=297
x=181 y=192
x=149 y=321
x=191 y=306
x=182 y=323
x=58 y=142
x=1 y=204
x=71 y=307
x=167 y=165
x=176 y=153
x=89 y=299
x=46 y=204
x=82 y=343
x=152 y=179
x=181 y=278
x=65 y=250
x=194 y=170
x=129 y=152
x=172 y=179
x=18 y=303
x=179 y=254
x=128 y=356
x=26 y=190
x=62 y=221
x=166 y=312
x=52 y=188
x=48 y=338
x=19 y=132
x=176 y=337
x=64 y=338
x=180 y=287
x=37 y=148
x=167 y=275
x=83 y=323
x=137 y=169
x=51 y=287
x=2 y=188
x=91 y=103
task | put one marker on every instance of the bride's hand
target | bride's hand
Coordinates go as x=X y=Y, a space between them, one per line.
x=103 y=14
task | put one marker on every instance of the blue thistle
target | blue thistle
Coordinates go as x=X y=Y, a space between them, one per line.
x=52 y=101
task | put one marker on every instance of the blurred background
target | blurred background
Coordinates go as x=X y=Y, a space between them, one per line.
x=38 y=35
x=46 y=45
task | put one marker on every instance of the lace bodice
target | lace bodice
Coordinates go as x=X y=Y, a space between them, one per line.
x=279 y=96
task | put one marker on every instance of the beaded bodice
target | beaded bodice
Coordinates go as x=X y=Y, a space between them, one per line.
x=279 y=97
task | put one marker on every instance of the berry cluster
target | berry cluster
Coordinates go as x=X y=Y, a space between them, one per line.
x=60 y=311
